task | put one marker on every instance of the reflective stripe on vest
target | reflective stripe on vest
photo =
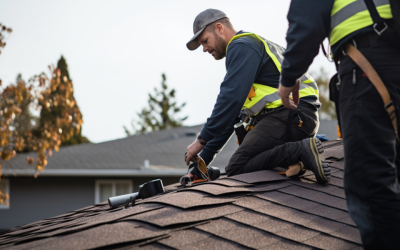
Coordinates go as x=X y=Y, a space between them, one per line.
x=348 y=16
x=267 y=96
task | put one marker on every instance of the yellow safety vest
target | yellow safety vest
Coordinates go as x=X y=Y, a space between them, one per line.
x=348 y=16
x=265 y=95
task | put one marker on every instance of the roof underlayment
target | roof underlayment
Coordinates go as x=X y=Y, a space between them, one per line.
x=260 y=210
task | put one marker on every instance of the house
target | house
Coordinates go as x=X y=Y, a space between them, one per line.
x=260 y=210
x=82 y=175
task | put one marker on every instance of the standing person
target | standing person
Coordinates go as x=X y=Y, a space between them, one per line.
x=280 y=137
x=372 y=157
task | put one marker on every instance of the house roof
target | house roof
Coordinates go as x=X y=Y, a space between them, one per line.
x=260 y=210
x=164 y=149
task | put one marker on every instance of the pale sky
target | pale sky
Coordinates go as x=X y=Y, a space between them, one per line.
x=116 y=51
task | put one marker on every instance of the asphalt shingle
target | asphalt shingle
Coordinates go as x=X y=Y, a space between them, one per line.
x=260 y=210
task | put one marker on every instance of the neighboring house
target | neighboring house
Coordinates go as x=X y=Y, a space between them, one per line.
x=87 y=174
x=259 y=210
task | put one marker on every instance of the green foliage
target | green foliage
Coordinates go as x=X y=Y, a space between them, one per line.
x=160 y=113
x=327 y=110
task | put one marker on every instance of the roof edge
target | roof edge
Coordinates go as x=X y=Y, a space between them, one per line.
x=96 y=172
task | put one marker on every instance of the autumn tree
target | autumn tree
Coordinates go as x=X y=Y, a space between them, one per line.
x=22 y=131
x=61 y=91
x=3 y=128
x=160 y=113
x=327 y=110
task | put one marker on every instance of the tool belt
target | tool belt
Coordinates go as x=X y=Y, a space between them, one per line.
x=242 y=128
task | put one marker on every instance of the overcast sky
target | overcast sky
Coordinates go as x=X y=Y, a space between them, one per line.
x=117 y=50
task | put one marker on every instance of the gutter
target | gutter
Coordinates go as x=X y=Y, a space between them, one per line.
x=96 y=172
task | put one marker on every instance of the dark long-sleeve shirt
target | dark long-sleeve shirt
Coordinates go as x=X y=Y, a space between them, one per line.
x=307 y=30
x=247 y=62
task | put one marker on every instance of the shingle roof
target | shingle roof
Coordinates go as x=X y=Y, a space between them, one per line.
x=260 y=210
x=161 y=148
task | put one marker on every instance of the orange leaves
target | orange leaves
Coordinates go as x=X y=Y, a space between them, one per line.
x=4 y=198
x=6 y=155
x=29 y=160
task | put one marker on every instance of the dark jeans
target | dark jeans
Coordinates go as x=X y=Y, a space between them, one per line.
x=372 y=158
x=267 y=146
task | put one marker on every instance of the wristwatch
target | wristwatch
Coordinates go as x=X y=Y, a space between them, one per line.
x=201 y=141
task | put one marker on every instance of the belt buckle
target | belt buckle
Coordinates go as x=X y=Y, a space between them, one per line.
x=381 y=31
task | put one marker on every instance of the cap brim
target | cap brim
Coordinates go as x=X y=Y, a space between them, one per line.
x=193 y=43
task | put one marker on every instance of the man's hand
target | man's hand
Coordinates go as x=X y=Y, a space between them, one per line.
x=192 y=151
x=284 y=93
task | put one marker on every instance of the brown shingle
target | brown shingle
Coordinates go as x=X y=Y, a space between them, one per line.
x=348 y=220
x=185 y=237
x=286 y=245
x=329 y=189
x=213 y=243
x=260 y=221
x=221 y=190
x=297 y=233
x=92 y=221
x=189 y=199
x=334 y=152
x=324 y=225
x=338 y=164
x=171 y=215
x=153 y=246
x=338 y=174
x=259 y=176
x=327 y=212
x=253 y=218
x=287 y=200
x=251 y=202
x=316 y=196
x=239 y=233
x=101 y=236
x=348 y=233
x=285 y=213
x=336 y=182
x=230 y=183
x=329 y=242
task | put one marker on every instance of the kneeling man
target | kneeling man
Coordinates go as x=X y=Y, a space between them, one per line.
x=280 y=137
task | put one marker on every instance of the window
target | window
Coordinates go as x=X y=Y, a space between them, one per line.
x=105 y=189
x=5 y=189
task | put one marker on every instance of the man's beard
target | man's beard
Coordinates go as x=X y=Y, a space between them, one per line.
x=220 y=47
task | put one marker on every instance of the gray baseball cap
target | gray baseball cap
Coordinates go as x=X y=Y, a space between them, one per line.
x=200 y=23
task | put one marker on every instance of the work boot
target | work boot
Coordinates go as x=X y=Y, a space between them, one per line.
x=312 y=158
x=197 y=173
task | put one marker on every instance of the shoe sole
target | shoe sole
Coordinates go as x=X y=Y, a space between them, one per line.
x=318 y=160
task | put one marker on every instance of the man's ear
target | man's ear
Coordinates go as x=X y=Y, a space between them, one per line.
x=220 y=28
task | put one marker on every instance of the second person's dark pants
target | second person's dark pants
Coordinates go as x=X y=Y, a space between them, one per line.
x=267 y=145
x=372 y=158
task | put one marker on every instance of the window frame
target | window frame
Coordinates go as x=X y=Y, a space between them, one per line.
x=4 y=206
x=113 y=183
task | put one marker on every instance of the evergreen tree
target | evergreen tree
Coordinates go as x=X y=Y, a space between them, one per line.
x=61 y=91
x=160 y=114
